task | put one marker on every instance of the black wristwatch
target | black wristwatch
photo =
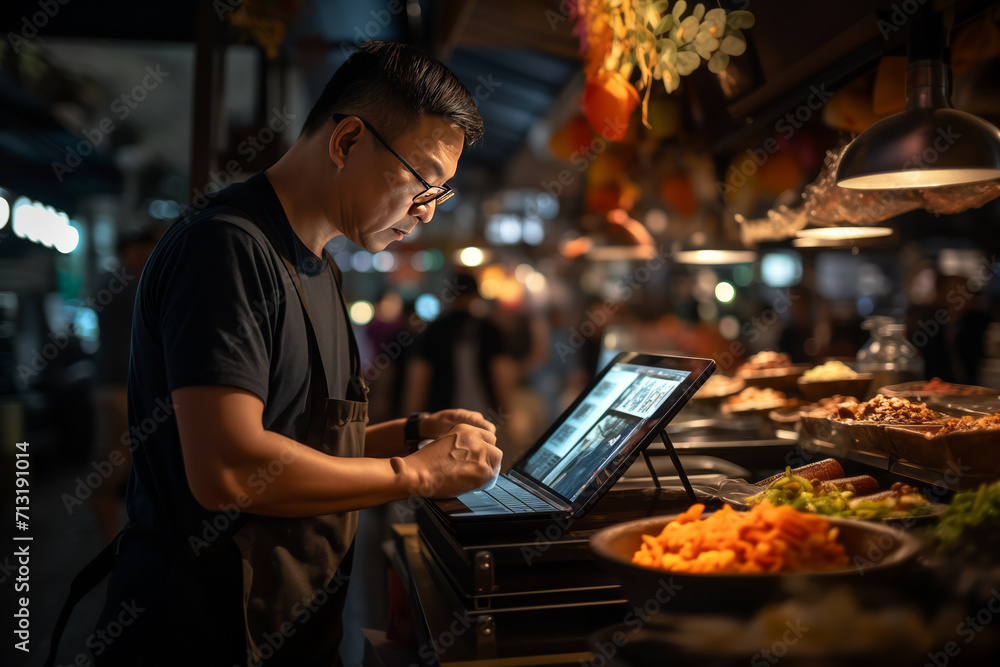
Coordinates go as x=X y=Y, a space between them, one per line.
x=411 y=431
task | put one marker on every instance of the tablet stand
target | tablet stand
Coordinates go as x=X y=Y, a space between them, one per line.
x=669 y=446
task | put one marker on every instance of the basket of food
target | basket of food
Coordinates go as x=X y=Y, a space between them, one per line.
x=818 y=421
x=866 y=422
x=833 y=378
x=771 y=369
x=959 y=446
x=736 y=561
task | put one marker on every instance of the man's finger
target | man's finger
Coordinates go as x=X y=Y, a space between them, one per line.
x=475 y=418
x=495 y=457
x=489 y=437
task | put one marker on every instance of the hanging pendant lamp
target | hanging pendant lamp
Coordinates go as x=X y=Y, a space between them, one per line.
x=929 y=144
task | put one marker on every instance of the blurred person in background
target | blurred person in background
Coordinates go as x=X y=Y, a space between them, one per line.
x=461 y=359
x=115 y=298
x=949 y=329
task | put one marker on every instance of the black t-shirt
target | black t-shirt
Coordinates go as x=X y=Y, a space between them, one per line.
x=217 y=307
x=113 y=301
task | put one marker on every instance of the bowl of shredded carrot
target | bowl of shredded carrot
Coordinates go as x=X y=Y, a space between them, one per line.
x=743 y=558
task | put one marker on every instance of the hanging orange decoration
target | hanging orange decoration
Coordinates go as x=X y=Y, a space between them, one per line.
x=617 y=36
x=608 y=102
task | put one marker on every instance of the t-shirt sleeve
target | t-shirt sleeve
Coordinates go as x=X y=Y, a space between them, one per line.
x=217 y=310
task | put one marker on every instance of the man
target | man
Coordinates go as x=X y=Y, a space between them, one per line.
x=460 y=359
x=247 y=412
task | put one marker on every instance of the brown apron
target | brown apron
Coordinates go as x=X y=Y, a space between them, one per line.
x=294 y=570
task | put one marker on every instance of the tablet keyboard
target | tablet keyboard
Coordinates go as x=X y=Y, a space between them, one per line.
x=506 y=497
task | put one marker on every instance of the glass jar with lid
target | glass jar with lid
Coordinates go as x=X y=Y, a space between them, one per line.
x=895 y=359
x=864 y=357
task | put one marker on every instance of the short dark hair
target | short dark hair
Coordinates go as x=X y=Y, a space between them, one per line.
x=391 y=85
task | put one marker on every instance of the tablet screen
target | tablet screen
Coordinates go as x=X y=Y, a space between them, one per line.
x=600 y=425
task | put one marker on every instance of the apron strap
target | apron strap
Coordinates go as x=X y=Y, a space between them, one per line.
x=92 y=574
x=357 y=385
x=318 y=385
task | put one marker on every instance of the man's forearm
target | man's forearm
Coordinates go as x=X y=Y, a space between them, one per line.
x=385 y=439
x=277 y=476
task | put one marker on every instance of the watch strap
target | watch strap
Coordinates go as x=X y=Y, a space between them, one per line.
x=411 y=431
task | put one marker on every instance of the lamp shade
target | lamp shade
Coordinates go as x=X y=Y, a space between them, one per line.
x=848 y=232
x=920 y=148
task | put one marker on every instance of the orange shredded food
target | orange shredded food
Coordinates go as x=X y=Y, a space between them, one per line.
x=767 y=538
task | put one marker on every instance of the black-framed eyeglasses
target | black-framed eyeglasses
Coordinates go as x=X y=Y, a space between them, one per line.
x=432 y=193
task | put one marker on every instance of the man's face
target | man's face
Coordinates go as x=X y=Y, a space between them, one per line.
x=384 y=210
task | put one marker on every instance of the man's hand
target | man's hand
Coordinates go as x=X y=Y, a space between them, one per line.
x=437 y=423
x=463 y=459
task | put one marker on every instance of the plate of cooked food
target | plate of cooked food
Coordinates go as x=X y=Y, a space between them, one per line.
x=833 y=378
x=771 y=369
x=717 y=388
x=709 y=556
x=822 y=488
x=757 y=401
